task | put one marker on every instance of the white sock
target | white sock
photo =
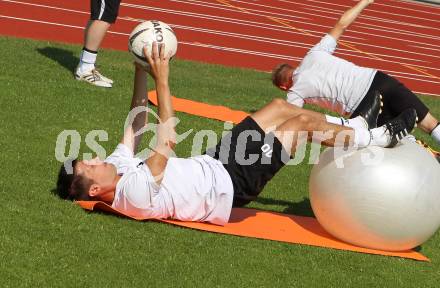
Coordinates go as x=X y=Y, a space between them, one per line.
x=376 y=137
x=436 y=134
x=87 y=61
x=335 y=120
x=352 y=123
x=357 y=122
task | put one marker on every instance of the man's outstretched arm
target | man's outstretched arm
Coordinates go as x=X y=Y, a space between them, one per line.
x=348 y=17
x=166 y=135
x=138 y=101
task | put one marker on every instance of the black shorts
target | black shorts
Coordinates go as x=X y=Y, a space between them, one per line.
x=104 y=10
x=251 y=158
x=396 y=98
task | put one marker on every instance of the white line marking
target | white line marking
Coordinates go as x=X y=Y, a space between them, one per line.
x=337 y=13
x=45 y=6
x=229 y=49
x=285 y=29
x=258 y=24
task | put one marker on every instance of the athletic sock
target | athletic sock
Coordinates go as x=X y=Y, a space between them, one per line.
x=376 y=137
x=335 y=120
x=87 y=60
x=436 y=133
x=352 y=123
x=357 y=122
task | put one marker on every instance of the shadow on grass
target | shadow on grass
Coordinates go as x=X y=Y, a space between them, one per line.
x=64 y=57
x=302 y=208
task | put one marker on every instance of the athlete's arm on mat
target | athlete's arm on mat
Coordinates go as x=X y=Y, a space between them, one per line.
x=348 y=17
x=166 y=135
x=140 y=99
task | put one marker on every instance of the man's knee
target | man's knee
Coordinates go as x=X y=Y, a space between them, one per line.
x=305 y=119
x=282 y=106
x=302 y=122
x=278 y=102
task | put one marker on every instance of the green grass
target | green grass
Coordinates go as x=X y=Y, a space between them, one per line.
x=48 y=242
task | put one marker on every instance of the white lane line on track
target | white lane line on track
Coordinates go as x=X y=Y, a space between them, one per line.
x=231 y=20
x=228 y=49
x=298 y=44
x=285 y=14
x=226 y=8
x=293 y=44
x=418 y=4
x=365 y=26
x=385 y=21
x=404 y=2
x=426 y=48
x=45 y=6
x=345 y=7
x=286 y=29
x=253 y=24
x=242 y=51
x=336 y=13
x=397 y=74
x=261 y=25
x=341 y=51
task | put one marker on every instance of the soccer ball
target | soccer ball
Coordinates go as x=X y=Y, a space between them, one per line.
x=145 y=34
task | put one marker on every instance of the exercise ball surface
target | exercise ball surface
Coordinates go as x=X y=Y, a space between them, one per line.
x=390 y=204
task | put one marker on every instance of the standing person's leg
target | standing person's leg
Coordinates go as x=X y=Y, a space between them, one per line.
x=103 y=14
x=95 y=33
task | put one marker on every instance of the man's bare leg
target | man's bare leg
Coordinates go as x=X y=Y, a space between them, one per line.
x=288 y=132
x=95 y=33
x=274 y=117
x=279 y=111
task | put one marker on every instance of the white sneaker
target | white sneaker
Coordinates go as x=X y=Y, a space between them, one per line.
x=108 y=80
x=94 y=78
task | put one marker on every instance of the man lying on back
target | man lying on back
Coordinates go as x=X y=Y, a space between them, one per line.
x=206 y=187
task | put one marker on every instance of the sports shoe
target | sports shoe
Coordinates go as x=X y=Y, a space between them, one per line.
x=108 y=80
x=434 y=153
x=93 y=77
x=369 y=110
x=401 y=126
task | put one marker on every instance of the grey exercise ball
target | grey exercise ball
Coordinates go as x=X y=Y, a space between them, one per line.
x=388 y=202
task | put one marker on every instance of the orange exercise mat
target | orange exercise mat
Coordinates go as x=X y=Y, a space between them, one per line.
x=216 y=112
x=270 y=226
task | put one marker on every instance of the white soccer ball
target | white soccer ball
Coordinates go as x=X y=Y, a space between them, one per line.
x=148 y=32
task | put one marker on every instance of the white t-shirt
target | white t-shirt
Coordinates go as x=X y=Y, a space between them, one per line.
x=328 y=81
x=192 y=189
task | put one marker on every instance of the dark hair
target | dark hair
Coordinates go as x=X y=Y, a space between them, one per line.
x=71 y=185
x=279 y=77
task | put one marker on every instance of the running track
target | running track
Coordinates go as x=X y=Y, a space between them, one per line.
x=398 y=37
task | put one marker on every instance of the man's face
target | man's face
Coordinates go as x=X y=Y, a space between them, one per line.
x=100 y=172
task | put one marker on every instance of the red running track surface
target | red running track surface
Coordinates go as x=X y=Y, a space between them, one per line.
x=400 y=38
